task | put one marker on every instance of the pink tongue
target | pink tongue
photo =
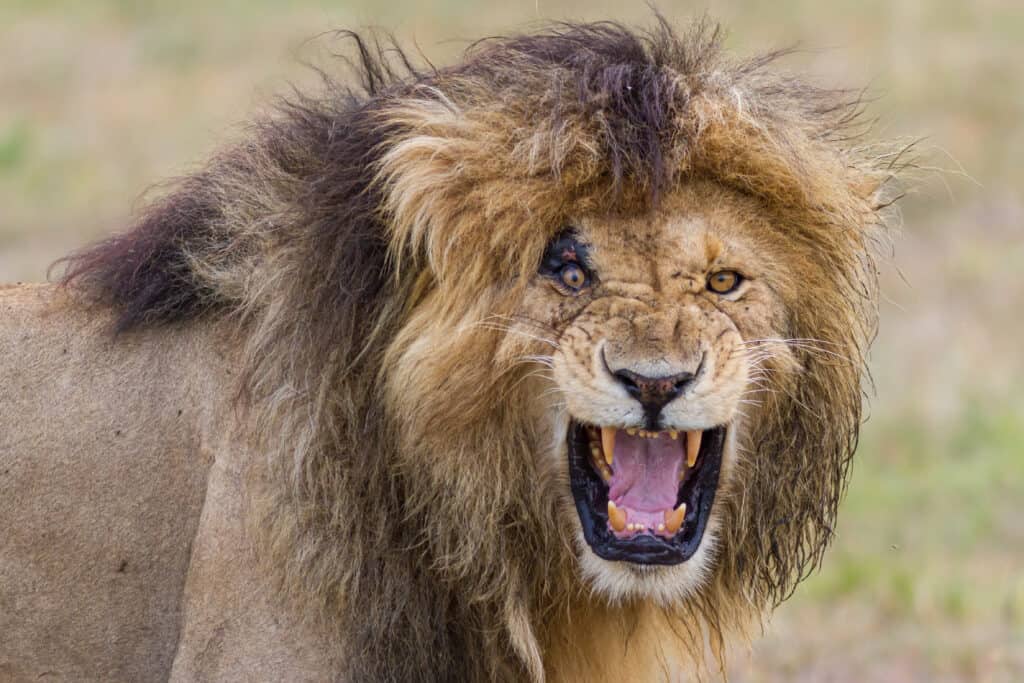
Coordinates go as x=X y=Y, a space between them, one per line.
x=645 y=472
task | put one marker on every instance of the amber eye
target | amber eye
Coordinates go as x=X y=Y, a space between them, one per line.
x=573 y=277
x=724 y=281
x=565 y=262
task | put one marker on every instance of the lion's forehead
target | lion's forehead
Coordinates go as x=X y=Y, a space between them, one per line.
x=699 y=227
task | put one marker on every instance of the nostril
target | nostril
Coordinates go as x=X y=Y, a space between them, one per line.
x=681 y=380
x=629 y=380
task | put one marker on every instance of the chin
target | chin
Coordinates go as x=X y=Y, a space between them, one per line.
x=666 y=585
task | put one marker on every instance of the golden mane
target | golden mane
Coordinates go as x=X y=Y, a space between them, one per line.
x=350 y=224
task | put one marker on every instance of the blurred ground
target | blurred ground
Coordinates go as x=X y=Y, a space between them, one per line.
x=925 y=582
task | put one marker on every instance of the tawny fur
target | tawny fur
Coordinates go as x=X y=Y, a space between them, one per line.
x=377 y=248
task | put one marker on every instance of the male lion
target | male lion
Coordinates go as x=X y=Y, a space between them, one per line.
x=543 y=366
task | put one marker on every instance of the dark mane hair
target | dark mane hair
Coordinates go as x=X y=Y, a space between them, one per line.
x=312 y=161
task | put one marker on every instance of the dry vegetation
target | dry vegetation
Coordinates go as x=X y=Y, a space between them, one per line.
x=925 y=582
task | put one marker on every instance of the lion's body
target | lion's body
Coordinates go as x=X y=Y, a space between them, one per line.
x=99 y=510
x=319 y=414
x=124 y=548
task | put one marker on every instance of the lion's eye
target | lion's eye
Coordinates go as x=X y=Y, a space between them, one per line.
x=573 y=277
x=724 y=281
x=565 y=262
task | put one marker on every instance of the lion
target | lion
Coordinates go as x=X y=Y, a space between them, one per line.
x=543 y=366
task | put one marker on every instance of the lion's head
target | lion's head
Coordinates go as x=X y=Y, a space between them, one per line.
x=580 y=320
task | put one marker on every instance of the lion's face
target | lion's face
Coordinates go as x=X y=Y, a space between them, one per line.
x=658 y=326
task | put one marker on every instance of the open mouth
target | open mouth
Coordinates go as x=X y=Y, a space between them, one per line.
x=644 y=497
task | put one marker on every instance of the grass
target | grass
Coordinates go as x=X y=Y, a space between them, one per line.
x=14 y=146
x=925 y=581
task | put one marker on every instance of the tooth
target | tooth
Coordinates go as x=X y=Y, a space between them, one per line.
x=616 y=517
x=692 y=446
x=661 y=527
x=674 y=519
x=606 y=473
x=631 y=431
x=608 y=444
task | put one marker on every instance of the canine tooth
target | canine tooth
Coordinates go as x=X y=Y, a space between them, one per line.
x=631 y=431
x=692 y=446
x=673 y=434
x=616 y=517
x=674 y=519
x=608 y=444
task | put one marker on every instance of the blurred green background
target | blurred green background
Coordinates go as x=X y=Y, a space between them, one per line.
x=99 y=99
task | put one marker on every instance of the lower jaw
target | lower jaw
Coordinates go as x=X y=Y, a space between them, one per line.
x=591 y=497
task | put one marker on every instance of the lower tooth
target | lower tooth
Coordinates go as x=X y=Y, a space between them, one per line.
x=674 y=519
x=616 y=517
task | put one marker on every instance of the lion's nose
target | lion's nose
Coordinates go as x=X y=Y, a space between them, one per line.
x=653 y=393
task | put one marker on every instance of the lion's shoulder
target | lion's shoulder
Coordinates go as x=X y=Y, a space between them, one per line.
x=105 y=449
x=48 y=336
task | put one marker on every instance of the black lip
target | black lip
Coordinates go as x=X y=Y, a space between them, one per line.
x=591 y=495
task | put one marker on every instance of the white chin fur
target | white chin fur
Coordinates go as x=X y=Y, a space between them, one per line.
x=666 y=585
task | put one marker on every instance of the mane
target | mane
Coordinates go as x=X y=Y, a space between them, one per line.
x=346 y=212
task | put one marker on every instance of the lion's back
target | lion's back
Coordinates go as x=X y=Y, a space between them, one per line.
x=104 y=455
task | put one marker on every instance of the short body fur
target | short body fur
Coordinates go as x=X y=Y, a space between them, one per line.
x=370 y=249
